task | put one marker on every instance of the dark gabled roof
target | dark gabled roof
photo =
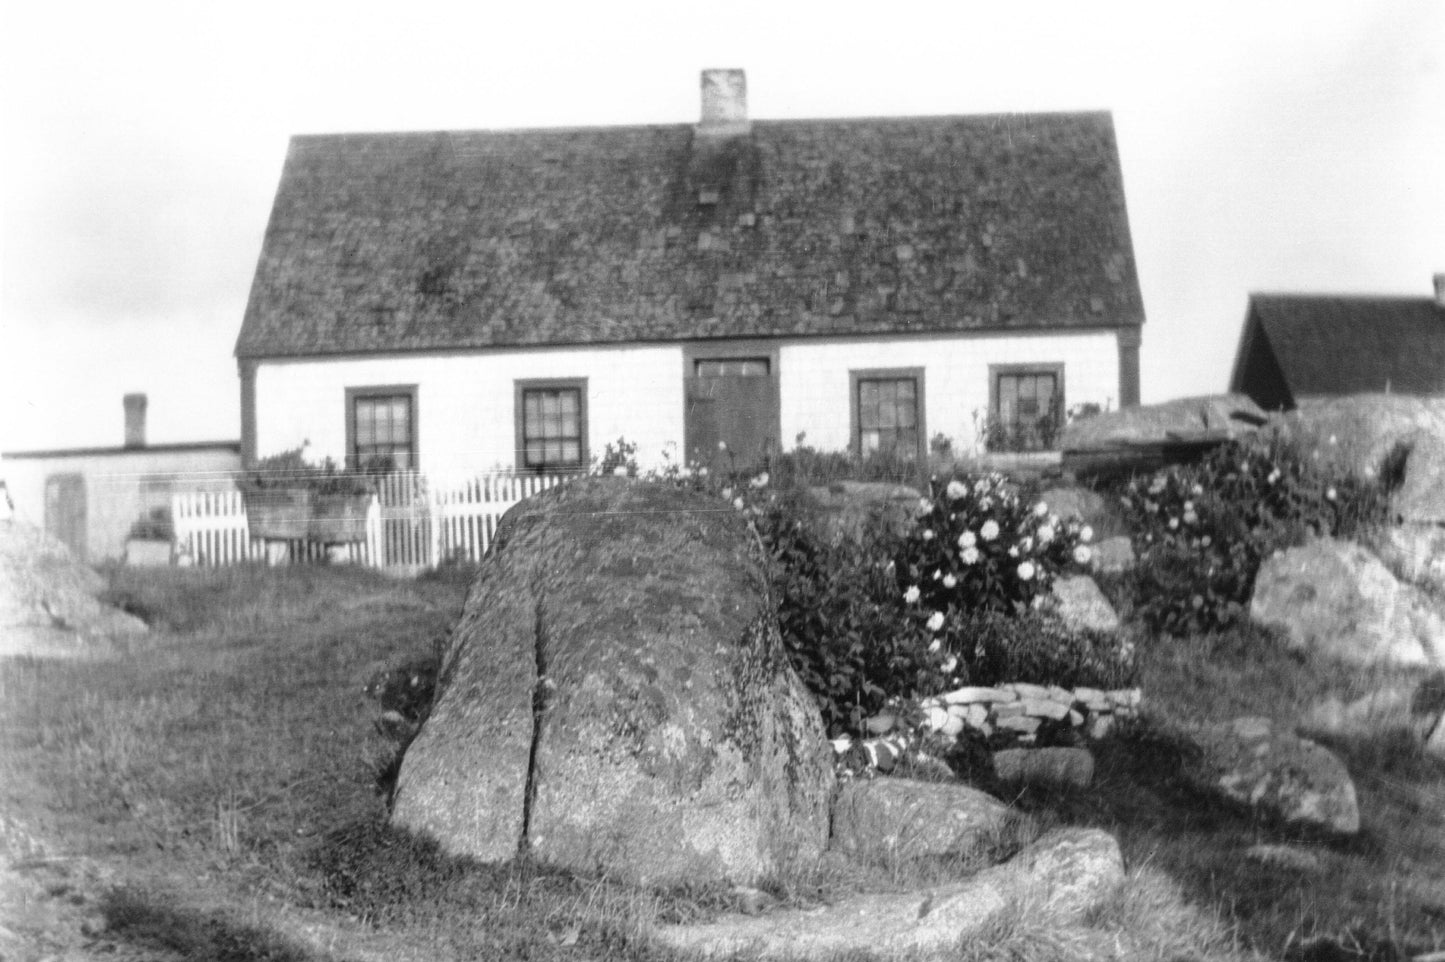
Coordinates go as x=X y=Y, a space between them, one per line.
x=1330 y=345
x=395 y=242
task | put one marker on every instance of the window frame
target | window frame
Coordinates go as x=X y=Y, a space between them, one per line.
x=520 y=387
x=998 y=371
x=855 y=421
x=374 y=391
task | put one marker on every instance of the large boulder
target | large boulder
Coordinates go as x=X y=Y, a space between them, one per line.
x=1077 y=602
x=1415 y=552
x=1421 y=497
x=1215 y=417
x=1356 y=432
x=884 y=819
x=616 y=699
x=1247 y=761
x=1336 y=598
x=48 y=600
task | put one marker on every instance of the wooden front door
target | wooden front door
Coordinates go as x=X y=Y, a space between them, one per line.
x=732 y=419
x=65 y=511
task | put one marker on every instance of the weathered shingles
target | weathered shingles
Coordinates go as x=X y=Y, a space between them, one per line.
x=1328 y=345
x=452 y=240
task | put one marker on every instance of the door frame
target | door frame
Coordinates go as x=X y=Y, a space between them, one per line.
x=694 y=351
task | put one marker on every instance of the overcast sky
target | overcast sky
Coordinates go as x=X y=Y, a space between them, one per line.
x=1266 y=147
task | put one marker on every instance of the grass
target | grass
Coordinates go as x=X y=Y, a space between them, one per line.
x=224 y=768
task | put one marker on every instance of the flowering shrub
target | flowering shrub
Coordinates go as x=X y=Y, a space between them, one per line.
x=978 y=545
x=1201 y=531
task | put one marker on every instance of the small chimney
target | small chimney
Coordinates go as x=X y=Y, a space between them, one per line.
x=135 y=420
x=1440 y=290
x=724 y=102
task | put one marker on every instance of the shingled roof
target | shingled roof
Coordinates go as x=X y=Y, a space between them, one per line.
x=1295 y=346
x=435 y=241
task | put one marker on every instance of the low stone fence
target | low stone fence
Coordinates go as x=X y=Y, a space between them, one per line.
x=1008 y=715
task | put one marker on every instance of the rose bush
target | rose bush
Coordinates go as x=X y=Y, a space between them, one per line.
x=1201 y=531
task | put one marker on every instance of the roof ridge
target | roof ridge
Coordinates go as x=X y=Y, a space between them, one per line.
x=686 y=125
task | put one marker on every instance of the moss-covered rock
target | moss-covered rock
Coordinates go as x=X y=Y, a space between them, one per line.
x=616 y=699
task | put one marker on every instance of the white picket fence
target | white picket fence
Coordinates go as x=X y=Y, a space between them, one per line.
x=414 y=523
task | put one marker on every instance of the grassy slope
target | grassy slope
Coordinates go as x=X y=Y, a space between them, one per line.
x=224 y=770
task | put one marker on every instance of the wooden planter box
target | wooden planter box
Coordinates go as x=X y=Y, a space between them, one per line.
x=278 y=514
x=338 y=518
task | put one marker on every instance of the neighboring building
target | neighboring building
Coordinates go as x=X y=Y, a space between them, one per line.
x=1300 y=346
x=517 y=299
x=89 y=498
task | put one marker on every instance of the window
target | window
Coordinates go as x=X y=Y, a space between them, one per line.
x=887 y=413
x=551 y=425
x=732 y=367
x=381 y=427
x=1027 y=407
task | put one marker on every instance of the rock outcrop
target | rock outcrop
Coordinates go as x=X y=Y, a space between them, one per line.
x=48 y=600
x=1339 y=600
x=616 y=699
x=1215 y=417
x=886 y=820
x=1077 y=602
x=1247 y=761
x=1067 y=872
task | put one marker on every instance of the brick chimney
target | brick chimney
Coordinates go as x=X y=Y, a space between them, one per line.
x=135 y=420
x=724 y=103
x=1440 y=290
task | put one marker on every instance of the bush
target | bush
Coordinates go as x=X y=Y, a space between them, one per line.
x=979 y=545
x=840 y=613
x=291 y=470
x=1201 y=531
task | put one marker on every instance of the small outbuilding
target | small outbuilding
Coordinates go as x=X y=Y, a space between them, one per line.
x=93 y=499
x=1297 y=347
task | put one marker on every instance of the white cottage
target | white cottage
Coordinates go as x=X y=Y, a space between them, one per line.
x=516 y=299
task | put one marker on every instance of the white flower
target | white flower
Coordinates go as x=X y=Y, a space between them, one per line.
x=956 y=490
x=985 y=503
x=1334 y=440
x=761 y=481
x=1040 y=510
x=722 y=445
x=1026 y=571
x=1331 y=494
x=989 y=531
x=1013 y=551
x=738 y=502
x=1206 y=540
x=1086 y=534
x=1273 y=476
x=949 y=581
x=911 y=595
x=727 y=492
x=1026 y=544
x=1082 y=554
x=927 y=534
x=968 y=555
x=1190 y=517
x=1046 y=534
x=967 y=540
x=1188 y=507
x=936 y=644
x=924 y=506
x=935 y=621
x=937 y=573
x=1173 y=523
x=950 y=663
x=1198 y=490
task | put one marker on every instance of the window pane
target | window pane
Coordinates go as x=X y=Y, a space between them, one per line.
x=571 y=452
x=534 y=453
